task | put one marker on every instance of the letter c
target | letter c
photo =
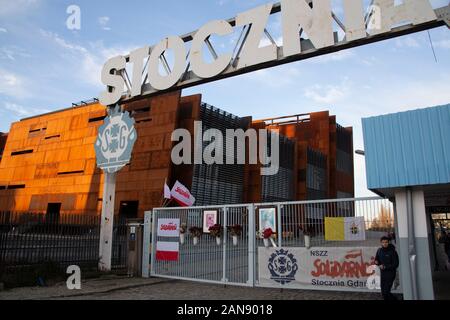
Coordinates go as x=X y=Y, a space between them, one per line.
x=199 y=67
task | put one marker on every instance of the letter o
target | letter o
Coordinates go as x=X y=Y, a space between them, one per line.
x=158 y=81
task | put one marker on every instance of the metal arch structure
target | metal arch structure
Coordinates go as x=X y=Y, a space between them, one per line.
x=190 y=79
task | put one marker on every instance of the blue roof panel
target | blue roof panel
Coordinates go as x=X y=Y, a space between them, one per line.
x=408 y=148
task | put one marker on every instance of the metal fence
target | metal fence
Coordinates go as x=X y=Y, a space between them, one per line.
x=237 y=263
x=208 y=260
x=35 y=238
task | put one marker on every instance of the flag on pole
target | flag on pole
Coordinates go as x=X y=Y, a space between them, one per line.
x=167 y=194
x=182 y=195
x=167 y=251
x=345 y=229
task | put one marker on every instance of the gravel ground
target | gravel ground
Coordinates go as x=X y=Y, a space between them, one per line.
x=120 y=288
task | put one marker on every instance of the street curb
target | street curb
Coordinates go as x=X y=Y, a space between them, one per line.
x=124 y=287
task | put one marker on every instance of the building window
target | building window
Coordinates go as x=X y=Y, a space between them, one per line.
x=16 y=186
x=70 y=172
x=18 y=153
x=53 y=137
x=96 y=119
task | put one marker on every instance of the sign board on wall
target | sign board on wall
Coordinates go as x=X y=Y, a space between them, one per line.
x=168 y=228
x=327 y=268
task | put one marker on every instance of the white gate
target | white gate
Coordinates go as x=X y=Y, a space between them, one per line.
x=246 y=262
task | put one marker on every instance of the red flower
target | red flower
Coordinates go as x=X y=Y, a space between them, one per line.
x=267 y=233
x=216 y=230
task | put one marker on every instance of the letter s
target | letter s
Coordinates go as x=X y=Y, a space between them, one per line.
x=317 y=272
x=113 y=80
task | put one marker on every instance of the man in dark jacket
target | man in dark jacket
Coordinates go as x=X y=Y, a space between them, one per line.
x=445 y=240
x=387 y=259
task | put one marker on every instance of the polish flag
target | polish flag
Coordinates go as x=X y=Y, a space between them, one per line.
x=167 y=194
x=182 y=195
x=167 y=251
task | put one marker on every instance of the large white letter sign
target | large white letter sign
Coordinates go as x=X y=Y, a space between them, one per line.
x=415 y=11
x=158 y=81
x=113 y=80
x=315 y=18
x=355 y=27
x=137 y=59
x=317 y=22
x=251 y=52
x=199 y=66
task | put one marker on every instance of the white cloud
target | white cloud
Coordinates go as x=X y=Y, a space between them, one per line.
x=328 y=94
x=22 y=111
x=445 y=44
x=61 y=42
x=103 y=21
x=87 y=62
x=407 y=42
x=12 y=84
x=15 y=7
x=336 y=56
x=3 y=30
x=12 y=52
x=266 y=42
x=278 y=77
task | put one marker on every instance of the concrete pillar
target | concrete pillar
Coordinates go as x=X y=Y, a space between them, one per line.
x=107 y=222
x=416 y=275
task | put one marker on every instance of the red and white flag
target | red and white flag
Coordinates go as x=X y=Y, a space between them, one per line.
x=167 y=194
x=167 y=251
x=182 y=195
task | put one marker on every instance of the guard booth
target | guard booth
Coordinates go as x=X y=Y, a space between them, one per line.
x=408 y=160
x=134 y=247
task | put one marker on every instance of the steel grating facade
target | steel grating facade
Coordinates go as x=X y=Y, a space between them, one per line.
x=280 y=187
x=218 y=183
x=316 y=175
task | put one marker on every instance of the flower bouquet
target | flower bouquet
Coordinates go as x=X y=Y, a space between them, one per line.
x=216 y=231
x=268 y=234
x=307 y=233
x=235 y=231
x=196 y=233
x=183 y=228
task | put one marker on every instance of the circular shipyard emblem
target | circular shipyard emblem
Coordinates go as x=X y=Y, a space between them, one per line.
x=115 y=141
x=354 y=229
x=282 y=266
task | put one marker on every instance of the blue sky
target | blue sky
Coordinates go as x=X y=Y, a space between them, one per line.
x=44 y=66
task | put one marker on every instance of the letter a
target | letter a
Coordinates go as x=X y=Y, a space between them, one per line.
x=74 y=281
x=73 y=22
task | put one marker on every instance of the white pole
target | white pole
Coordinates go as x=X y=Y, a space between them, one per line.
x=106 y=225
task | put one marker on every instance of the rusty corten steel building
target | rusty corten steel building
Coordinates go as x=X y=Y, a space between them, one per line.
x=48 y=161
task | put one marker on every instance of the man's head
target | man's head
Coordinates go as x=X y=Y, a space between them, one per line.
x=385 y=242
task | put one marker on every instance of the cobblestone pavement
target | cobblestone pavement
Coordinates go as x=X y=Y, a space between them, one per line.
x=103 y=285
x=163 y=289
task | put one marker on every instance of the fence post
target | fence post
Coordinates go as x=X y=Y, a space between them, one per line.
x=146 y=243
x=251 y=244
x=153 y=224
x=224 y=248
x=280 y=229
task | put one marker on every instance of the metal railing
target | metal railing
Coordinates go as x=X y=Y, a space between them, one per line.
x=237 y=263
x=34 y=238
